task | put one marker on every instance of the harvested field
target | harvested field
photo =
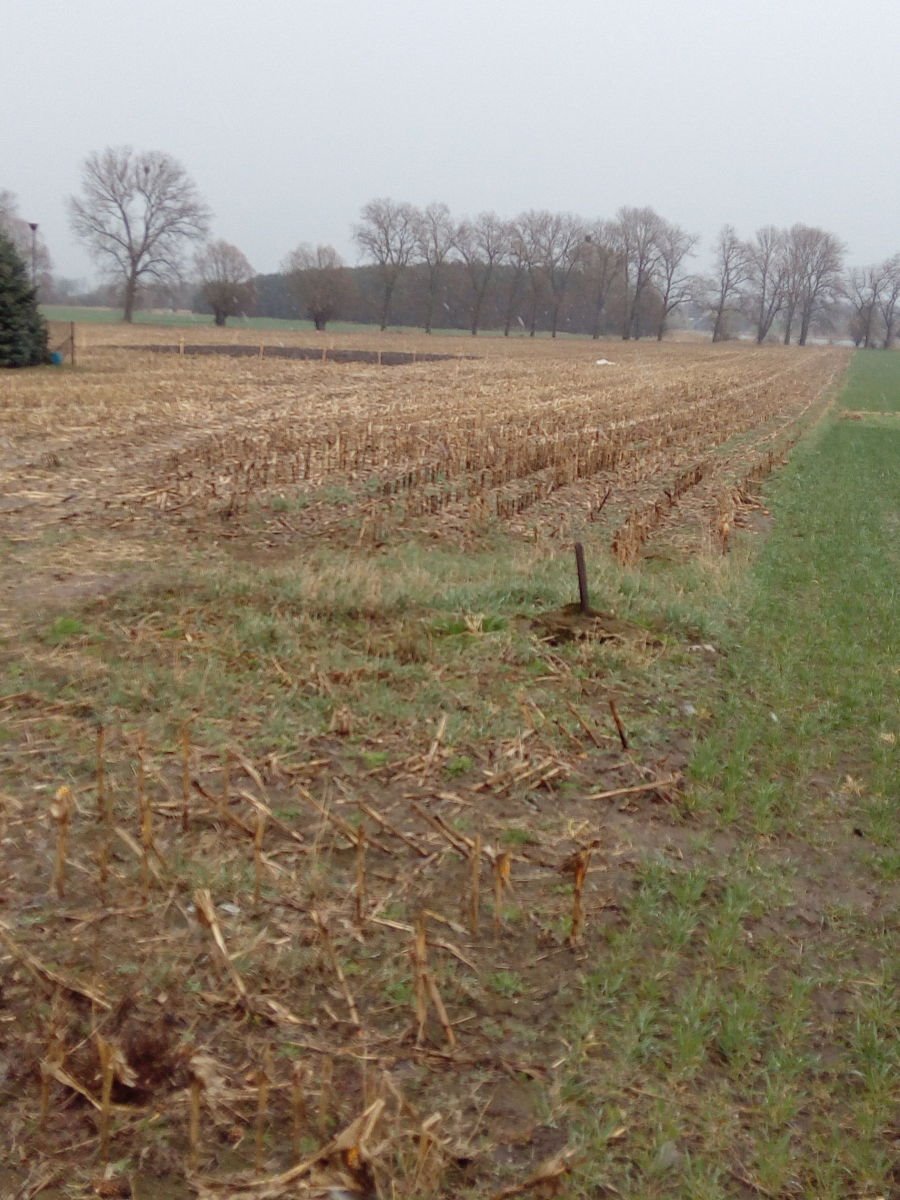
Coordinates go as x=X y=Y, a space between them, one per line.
x=339 y=856
x=544 y=443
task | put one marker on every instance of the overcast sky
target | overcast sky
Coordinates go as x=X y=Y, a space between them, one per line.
x=289 y=115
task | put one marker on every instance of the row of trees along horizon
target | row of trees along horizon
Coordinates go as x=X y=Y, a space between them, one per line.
x=140 y=215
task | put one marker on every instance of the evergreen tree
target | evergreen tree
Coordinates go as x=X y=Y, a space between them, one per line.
x=23 y=331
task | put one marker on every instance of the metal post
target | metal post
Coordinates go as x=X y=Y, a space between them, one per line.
x=582 y=579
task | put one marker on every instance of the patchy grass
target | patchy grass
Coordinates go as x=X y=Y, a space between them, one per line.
x=267 y=656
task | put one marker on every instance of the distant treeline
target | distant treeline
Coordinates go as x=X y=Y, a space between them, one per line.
x=507 y=306
x=555 y=272
x=630 y=275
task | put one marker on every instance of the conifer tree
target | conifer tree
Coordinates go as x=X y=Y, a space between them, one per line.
x=23 y=331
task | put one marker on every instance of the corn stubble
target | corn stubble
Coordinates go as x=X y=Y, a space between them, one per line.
x=250 y=971
x=538 y=449
x=537 y=441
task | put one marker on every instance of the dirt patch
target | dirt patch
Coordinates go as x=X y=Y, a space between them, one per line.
x=570 y=623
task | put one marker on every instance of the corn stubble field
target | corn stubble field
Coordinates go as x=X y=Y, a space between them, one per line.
x=322 y=808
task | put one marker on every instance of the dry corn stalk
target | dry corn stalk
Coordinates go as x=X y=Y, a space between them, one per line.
x=53 y=1056
x=428 y=1155
x=61 y=812
x=258 y=837
x=420 y=988
x=195 y=1104
x=107 y=1076
x=325 y=938
x=102 y=807
x=350 y=1146
x=425 y=988
x=206 y=915
x=103 y=867
x=185 y=777
x=299 y=1116
x=502 y=871
x=435 y=745
x=326 y=1098
x=225 y=797
x=342 y=721
x=48 y=974
x=550 y=1172
x=579 y=867
x=148 y=844
x=474 y=884
x=264 y=1079
x=360 y=897
x=620 y=728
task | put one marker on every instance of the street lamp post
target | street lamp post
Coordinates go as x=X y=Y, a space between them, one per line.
x=33 y=226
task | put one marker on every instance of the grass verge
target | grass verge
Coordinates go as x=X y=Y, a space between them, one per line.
x=756 y=1002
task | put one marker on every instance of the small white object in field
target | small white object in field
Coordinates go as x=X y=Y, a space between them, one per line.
x=605 y=362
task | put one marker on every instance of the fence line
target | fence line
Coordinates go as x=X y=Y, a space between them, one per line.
x=66 y=347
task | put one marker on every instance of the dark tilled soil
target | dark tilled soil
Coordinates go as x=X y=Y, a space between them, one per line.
x=384 y=358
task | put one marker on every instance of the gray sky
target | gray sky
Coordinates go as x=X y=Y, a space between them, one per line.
x=289 y=116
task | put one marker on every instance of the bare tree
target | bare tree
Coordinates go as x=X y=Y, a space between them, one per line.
x=889 y=299
x=637 y=232
x=552 y=246
x=674 y=284
x=526 y=234
x=816 y=270
x=517 y=265
x=873 y=294
x=732 y=269
x=226 y=280
x=558 y=248
x=864 y=285
x=767 y=274
x=602 y=264
x=387 y=234
x=434 y=234
x=136 y=214
x=482 y=244
x=319 y=282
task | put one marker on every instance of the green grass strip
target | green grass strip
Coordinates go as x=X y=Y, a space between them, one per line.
x=740 y=1027
x=813 y=689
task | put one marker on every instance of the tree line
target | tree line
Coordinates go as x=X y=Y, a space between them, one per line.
x=631 y=275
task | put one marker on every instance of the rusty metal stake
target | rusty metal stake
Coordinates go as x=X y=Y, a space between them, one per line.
x=582 y=579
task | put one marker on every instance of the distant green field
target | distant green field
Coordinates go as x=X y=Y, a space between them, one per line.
x=113 y=316
x=874 y=383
